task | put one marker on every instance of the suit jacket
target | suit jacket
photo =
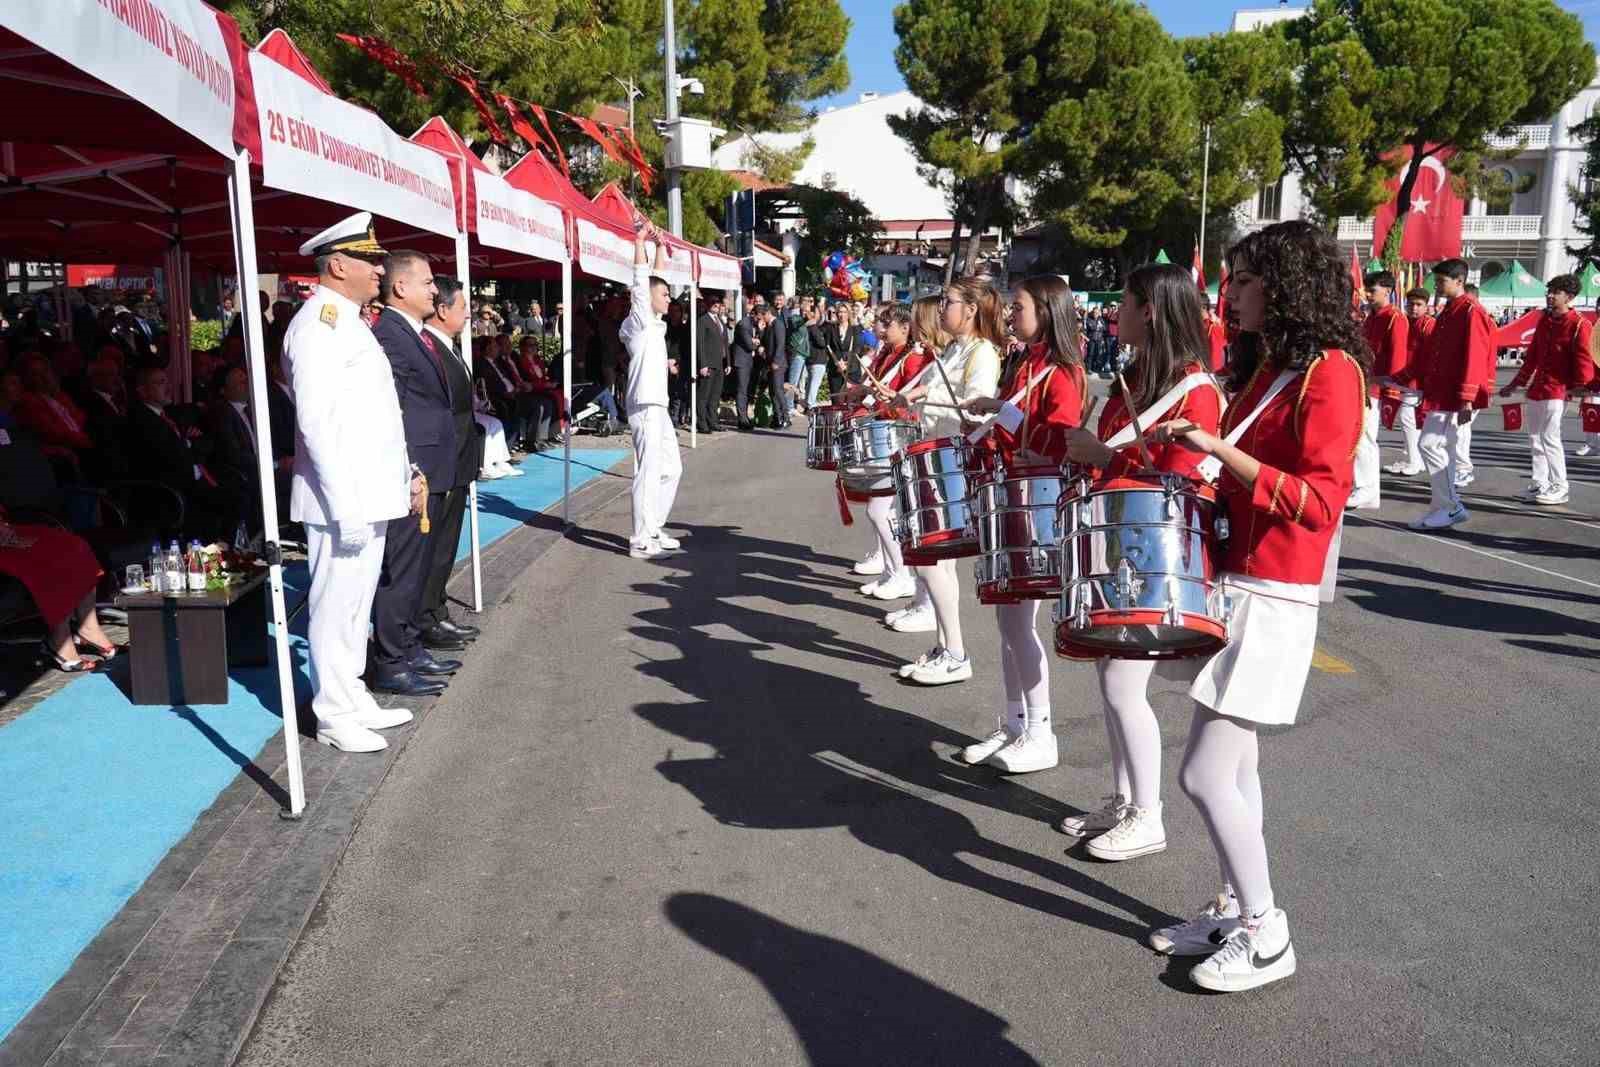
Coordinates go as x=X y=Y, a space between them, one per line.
x=744 y=338
x=233 y=451
x=712 y=345
x=108 y=428
x=469 y=436
x=163 y=451
x=843 y=345
x=423 y=389
x=280 y=417
x=772 y=341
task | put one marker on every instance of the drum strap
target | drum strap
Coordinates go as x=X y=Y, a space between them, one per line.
x=1149 y=416
x=1211 y=466
x=987 y=426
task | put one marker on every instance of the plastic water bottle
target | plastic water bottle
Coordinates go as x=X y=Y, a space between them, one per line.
x=154 y=566
x=173 y=579
x=196 y=568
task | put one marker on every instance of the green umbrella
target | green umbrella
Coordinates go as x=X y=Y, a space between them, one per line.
x=1161 y=256
x=1514 y=285
x=1374 y=265
x=1589 y=283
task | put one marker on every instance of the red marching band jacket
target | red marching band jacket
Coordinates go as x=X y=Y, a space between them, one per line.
x=903 y=373
x=1388 y=334
x=1560 y=358
x=1201 y=406
x=1457 y=359
x=1050 y=408
x=1305 y=441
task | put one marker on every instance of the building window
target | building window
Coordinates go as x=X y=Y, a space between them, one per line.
x=1269 y=202
x=1497 y=200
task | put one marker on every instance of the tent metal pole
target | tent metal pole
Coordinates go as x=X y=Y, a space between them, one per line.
x=566 y=388
x=244 y=253
x=694 y=363
x=463 y=270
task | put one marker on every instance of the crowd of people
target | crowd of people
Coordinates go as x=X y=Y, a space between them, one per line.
x=1286 y=421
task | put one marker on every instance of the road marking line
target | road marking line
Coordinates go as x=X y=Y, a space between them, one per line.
x=1481 y=552
x=1330 y=664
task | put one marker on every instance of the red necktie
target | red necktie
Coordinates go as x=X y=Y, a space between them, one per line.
x=433 y=350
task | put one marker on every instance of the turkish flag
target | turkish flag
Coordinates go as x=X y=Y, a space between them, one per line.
x=1433 y=229
x=1512 y=414
x=1358 y=281
x=1388 y=408
x=1589 y=415
x=1420 y=417
x=1198 y=270
x=1518 y=333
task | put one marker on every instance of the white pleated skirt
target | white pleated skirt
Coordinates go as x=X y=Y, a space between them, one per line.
x=1261 y=675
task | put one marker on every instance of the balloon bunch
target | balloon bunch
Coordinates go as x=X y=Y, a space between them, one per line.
x=847 y=278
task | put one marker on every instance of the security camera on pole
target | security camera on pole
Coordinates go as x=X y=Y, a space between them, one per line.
x=688 y=141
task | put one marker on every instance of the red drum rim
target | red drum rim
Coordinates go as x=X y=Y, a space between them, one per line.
x=933 y=444
x=1135 y=481
x=863 y=496
x=827 y=465
x=1018 y=590
x=925 y=555
x=1068 y=646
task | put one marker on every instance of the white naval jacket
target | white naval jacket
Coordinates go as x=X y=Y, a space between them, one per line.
x=350 y=462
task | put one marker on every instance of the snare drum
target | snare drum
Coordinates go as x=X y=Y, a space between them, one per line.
x=821 y=449
x=867 y=447
x=931 y=479
x=1141 y=578
x=1019 y=553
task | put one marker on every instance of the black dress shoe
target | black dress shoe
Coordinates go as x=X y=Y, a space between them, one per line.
x=442 y=640
x=459 y=630
x=406 y=684
x=429 y=667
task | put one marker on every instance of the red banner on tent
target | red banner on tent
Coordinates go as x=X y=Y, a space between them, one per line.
x=1433 y=228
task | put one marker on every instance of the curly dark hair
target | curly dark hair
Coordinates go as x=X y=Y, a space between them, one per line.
x=1308 y=292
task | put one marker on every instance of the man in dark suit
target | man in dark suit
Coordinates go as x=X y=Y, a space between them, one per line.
x=711 y=353
x=171 y=455
x=105 y=406
x=280 y=416
x=775 y=353
x=439 y=630
x=233 y=445
x=746 y=339
x=400 y=663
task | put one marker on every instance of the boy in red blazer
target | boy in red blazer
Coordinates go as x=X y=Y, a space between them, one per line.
x=1386 y=330
x=1559 y=361
x=1460 y=365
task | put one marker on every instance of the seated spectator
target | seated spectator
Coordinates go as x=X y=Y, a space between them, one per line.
x=501 y=391
x=530 y=362
x=496 y=456
x=165 y=453
x=51 y=415
x=233 y=440
x=105 y=407
x=61 y=574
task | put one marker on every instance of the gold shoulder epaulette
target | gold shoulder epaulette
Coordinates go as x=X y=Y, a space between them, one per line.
x=330 y=315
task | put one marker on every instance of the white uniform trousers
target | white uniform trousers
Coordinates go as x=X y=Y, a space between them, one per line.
x=340 y=607
x=1463 y=447
x=1438 y=449
x=1366 y=467
x=1544 y=439
x=1410 y=401
x=657 y=468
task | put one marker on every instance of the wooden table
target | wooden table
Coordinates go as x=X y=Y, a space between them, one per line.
x=180 y=645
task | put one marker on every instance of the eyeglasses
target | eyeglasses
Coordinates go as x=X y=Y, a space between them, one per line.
x=946 y=301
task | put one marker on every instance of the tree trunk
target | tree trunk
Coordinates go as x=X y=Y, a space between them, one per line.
x=955 y=243
x=1402 y=204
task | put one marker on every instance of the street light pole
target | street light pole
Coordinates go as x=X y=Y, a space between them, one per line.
x=674 y=177
x=1205 y=194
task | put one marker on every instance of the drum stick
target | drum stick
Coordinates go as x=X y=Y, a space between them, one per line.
x=1088 y=410
x=1133 y=413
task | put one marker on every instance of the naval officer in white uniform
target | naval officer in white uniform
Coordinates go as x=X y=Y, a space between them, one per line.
x=351 y=475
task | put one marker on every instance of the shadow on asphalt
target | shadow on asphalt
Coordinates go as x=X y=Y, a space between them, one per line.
x=1410 y=596
x=846 y=1005
x=798 y=748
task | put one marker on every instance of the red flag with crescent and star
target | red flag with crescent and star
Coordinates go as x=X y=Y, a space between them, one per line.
x=1433 y=228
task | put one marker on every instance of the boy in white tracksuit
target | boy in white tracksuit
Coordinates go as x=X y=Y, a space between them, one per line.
x=657 y=465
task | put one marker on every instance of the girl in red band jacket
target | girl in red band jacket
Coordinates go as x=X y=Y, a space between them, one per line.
x=1284 y=485
x=1162 y=319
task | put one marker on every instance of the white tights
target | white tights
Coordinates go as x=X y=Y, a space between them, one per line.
x=1024 y=667
x=1131 y=730
x=1219 y=774
x=944 y=589
x=879 y=508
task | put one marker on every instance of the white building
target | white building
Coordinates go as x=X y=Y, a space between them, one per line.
x=1535 y=227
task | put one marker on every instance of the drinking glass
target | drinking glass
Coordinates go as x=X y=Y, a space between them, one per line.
x=135 y=575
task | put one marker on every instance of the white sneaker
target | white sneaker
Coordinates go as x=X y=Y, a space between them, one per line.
x=1202 y=935
x=489 y=474
x=508 y=471
x=1095 y=822
x=648 y=550
x=1034 y=750
x=1138 y=834
x=915 y=621
x=1440 y=519
x=1531 y=491
x=892 y=614
x=873 y=564
x=1552 y=497
x=1465 y=480
x=1251 y=958
x=1584 y=450
x=383 y=718
x=1402 y=470
x=868 y=588
x=907 y=669
x=1365 y=502
x=981 y=751
x=668 y=544
x=348 y=735
x=944 y=670
x=897 y=588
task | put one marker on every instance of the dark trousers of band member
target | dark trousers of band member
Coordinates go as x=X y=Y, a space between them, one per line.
x=743 y=366
x=446 y=542
x=711 y=398
x=407 y=553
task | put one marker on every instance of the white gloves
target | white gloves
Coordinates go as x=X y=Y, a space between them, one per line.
x=353 y=536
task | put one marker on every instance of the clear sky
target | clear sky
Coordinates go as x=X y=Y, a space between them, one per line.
x=872 y=40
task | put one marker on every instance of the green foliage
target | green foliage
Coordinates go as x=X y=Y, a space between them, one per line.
x=1377 y=76
x=760 y=62
x=1586 y=194
x=835 y=221
x=205 y=335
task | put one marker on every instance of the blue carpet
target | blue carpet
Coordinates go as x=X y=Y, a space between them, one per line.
x=100 y=789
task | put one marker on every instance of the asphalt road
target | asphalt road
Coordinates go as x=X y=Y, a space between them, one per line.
x=681 y=812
